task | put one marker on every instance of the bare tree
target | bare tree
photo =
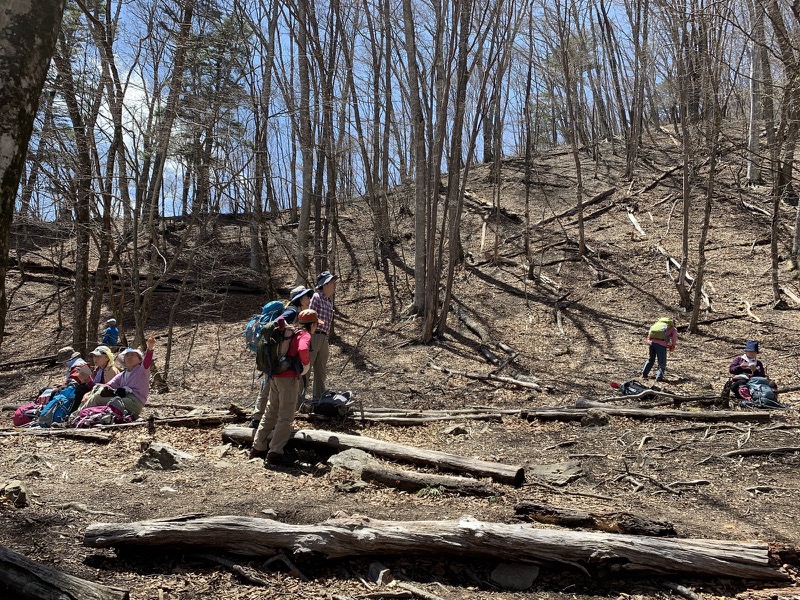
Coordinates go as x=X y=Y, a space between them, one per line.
x=29 y=31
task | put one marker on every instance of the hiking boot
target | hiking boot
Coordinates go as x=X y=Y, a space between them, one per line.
x=660 y=378
x=277 y=458
x=257 y=453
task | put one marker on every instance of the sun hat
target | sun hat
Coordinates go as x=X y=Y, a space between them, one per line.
x=325 y=277
x=299 y=292
x=103 y=351
x=309 y=316
x=134 y=351
x=66 y=354
x=751 y=346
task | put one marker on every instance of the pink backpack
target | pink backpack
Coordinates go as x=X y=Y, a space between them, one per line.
x=100 y=415
x=26 y=413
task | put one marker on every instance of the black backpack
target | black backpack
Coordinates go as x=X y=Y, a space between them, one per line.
x=333 y=404
x=272 y=347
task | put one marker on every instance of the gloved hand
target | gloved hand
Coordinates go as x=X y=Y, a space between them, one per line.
x=120 y=392
x=106 y=392
x=306 y=368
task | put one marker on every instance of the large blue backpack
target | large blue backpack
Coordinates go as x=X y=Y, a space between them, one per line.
x=59 y=407
x=252 y=331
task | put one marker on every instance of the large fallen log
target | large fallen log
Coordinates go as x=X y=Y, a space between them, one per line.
x=612 y=522
x=502 y=473
x=355 y=536
x=692 y=415
x=25 y=578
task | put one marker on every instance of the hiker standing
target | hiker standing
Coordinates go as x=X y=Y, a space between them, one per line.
x=662 y=337
x=299 y=299
x=322 y=303
x=111 y=333
x=283 y=390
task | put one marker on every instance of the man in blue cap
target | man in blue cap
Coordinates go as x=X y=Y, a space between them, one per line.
x=322 y=302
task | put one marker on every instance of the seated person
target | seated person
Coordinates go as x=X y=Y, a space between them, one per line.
x=132 y=386
x=745 y=366
x=104 y=367
x=79 y=373
x=111 y=333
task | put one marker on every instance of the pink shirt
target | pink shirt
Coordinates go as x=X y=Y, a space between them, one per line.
x=670 y=343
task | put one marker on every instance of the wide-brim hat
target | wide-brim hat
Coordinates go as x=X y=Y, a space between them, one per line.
x=103 y=351
x=66 y=354
x=325 y=277
x=299 y=292
x=751 y=346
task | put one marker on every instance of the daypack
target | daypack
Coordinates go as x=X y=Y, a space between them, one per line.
x=272 y=347
x=113 y=412
x=634 y=388
x=332 y=404
x=758 y=393
x=59 y=407
x=26 y=413
x=658 y=331
x=269 y=312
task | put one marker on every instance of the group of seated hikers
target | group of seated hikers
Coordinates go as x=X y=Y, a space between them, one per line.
x=112 y=390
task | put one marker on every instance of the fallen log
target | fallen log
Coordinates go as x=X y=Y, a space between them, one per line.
x=197 y=421
x=355 y=536
x=692 y=415
x=25 y=578
x=762 y=451
x=489 y=377
x=611 y=522
x=411 y=481
x=502 y=473
x=83 y=435
x=570 y=211
x=403 y=421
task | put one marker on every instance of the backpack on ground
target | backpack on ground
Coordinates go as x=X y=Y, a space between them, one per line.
x=272 y=348
x=113 y=412
x=26 y=413
x=758 y=392
x=58 y=408
x=332 y=404
x=658 y=331
x=634 y=388
x=269 y=312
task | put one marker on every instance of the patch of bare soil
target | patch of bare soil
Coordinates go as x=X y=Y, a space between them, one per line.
x=577 y=326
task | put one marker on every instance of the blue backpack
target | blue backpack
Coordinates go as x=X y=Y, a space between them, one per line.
x=269 y=312
x=58 y=408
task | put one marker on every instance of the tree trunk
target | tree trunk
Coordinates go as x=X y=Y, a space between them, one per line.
x=361 y=536
x=28 y=579
x=502 y=473
x=29 y=31
x=411 y=481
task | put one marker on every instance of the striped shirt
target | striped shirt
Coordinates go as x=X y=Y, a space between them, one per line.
x=324 y=308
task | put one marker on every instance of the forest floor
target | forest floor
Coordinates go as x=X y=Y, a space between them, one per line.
x=578 y=326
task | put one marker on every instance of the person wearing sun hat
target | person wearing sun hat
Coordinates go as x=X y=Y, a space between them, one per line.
x=132 y=386
x=276 y=423
x=747 y=363
x=104 y=368
x=78 y=369
x=299 y=299
x=322 y=302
